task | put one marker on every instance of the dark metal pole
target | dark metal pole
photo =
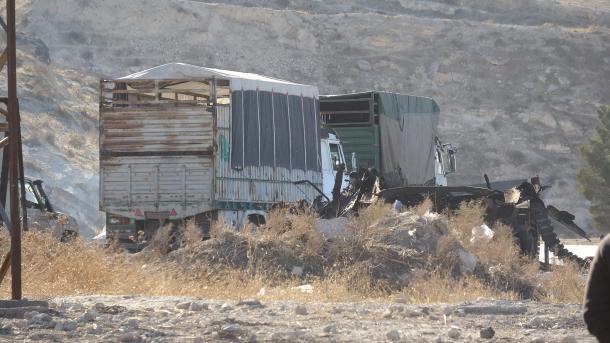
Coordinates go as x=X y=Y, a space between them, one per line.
x=13 y=128
x=4 y=173
x=24 y=212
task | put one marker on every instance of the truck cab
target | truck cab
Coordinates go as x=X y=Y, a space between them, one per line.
x=445 y=162
x=331 y=153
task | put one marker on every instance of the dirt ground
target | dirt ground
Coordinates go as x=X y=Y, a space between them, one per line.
x=177 y=319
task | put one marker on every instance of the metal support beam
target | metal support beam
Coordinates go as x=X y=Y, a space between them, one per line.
x=13 y=149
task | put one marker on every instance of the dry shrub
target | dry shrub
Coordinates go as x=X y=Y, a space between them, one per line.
x=423 y=207
x=361 y=223
x=437 y=287
x=446 y=257
x=219 y=228
x=277 y=221
x=161 y=241
x=235 y=265
x=564 y=283
x=51 y=268
x=357 y=278
x=355 y=281
x=502 y=249
x=303 y=233
x=503 y=267
x=113 y=247
x=469 y=215
x=191 y=234
x=297 y=230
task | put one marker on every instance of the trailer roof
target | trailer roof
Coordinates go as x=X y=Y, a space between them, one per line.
x=238 y=80
x=415 y=103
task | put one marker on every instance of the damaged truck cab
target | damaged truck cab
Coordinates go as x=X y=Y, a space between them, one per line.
x=331 y=152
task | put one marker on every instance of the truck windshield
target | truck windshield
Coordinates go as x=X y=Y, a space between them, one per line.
x=30 y=196
x=335 y=156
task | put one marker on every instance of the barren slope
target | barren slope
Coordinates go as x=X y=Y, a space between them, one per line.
x=517 y=82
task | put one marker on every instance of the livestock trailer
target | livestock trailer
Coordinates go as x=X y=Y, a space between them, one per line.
x=180 y=141
x=395 y=134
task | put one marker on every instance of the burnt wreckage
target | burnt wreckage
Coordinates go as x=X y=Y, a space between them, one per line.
x=368 y=122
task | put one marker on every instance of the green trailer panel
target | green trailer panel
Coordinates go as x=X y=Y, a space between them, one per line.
x=364 y=141
x=394 y=133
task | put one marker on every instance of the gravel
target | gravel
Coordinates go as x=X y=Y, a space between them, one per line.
x=158 y=319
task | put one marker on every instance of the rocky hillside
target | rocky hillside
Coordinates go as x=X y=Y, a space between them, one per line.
x=517 y=81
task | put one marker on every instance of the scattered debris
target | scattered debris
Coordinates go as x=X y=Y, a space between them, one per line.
x=393 y=335
x=301 y=310
x=500 y=309
x=198 y=306
x=487 y=333
x=88 y=316
x=331 y=329
x=304 y=288
x=113 y=309
x=454 y=332
x=481 y=234
x=183 y=305
x=250 y=302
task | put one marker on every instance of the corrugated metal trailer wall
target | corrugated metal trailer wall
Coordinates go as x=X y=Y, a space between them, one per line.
x=179 y=143
x=267 y=141
x=155 y=153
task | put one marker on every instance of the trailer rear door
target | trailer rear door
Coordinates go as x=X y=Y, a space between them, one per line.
x=156 y=161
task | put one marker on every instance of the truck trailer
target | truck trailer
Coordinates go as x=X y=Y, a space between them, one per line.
x=394 y=134
x=182 y=142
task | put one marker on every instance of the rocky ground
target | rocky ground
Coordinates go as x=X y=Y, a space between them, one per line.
x=174 y=319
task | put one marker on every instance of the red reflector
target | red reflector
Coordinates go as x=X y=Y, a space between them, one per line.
x=139 y=213
x=173 y=213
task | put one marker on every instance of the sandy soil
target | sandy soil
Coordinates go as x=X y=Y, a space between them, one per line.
x=174 y=319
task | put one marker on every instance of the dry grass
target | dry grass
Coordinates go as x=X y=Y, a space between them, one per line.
x=51 y=268
x=277 y=222
x=191 y=234
x=500 y=264
x=361 y=223
x=438 y=287
x=564 y=284
x=161 y=240
x=467 y=216
x=219 y=228
x=446 y=257
x=303 y=234
x=423 y=207
x=350 y=269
